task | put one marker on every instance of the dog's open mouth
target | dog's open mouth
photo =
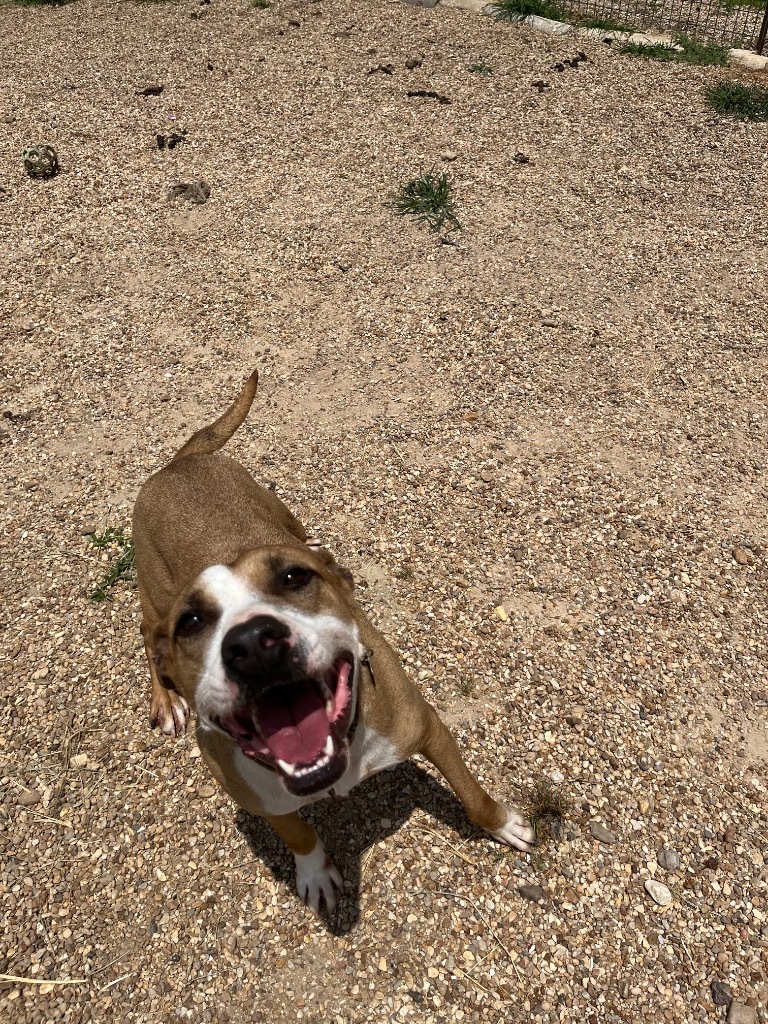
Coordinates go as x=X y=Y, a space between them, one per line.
x=299 y=728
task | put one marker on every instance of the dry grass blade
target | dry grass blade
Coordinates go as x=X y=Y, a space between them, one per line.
x=446 y=842
x=545 y=808
x=43 y=981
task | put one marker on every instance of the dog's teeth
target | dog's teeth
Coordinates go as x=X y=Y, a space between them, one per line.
x=328 y=747
x=289 y=769
x=327 y=695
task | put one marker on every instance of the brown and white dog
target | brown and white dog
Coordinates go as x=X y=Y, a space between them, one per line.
x=297 y=695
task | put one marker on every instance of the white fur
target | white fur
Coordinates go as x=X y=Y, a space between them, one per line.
x=317 y=879
x=515 y=832
x=322 y=636
x=370 y=753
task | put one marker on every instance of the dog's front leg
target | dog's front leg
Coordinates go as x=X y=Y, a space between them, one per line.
x=317 y=880
x=506 y=824
x=167 y=708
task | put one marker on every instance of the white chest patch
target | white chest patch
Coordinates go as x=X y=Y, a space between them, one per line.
x=370 y=753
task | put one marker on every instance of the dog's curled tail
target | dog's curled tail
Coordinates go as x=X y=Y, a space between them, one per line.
x=209 y=439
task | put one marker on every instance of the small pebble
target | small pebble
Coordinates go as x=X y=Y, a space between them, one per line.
x=658 y=892
x=531 y=892
x=668 y=859
x=601 y=833
x=742 y=556
x=29 y=798
x=721 y=993
x=575 y=715
x=741 y=1014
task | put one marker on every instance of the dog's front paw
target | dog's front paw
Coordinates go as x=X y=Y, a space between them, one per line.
x=515 y=831
x=317 y=880
x=170 y=712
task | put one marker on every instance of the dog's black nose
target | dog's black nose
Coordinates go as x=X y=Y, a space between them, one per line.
x=252 y=647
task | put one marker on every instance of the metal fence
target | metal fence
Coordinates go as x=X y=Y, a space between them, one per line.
x=725 y=21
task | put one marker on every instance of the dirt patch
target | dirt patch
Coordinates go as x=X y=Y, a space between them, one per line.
x=561 y=414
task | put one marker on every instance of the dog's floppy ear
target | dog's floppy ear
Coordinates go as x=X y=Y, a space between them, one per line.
x=330 y=562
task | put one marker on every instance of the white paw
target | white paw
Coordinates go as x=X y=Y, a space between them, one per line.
x=317 y=880
x=170 y=713
x=515 y=832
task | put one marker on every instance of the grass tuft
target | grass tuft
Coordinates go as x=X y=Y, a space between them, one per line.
x=748 y=102
x=261 y=4
x=545 y=808
x=123 y=564
x=694 y=51
x=429 y=200
x=514 y=10
x=481 y=68
x=466 y=686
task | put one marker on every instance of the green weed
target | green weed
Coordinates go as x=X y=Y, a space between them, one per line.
x=123 y=565
x=747 y=102
x=514 y=10
x=429 y=200
x=694 y=51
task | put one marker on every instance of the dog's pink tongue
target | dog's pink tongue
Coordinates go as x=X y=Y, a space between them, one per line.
x=294 y=725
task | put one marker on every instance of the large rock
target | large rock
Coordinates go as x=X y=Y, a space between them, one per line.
x=476 y=6
x=552 y=28
x=749 y=59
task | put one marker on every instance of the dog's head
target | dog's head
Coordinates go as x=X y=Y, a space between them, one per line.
x=267 y=649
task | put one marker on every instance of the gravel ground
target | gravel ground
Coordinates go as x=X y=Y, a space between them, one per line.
x=540 y=449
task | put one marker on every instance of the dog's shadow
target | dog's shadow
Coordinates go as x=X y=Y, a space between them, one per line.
x=350 y=825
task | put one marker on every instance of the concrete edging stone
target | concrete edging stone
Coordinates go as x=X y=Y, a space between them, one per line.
x=747 y=58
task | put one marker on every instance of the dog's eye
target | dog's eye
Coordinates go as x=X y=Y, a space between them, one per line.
x=297 y=577
x=189 y=623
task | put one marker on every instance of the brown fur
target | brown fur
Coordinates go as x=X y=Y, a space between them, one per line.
x=205 y=509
